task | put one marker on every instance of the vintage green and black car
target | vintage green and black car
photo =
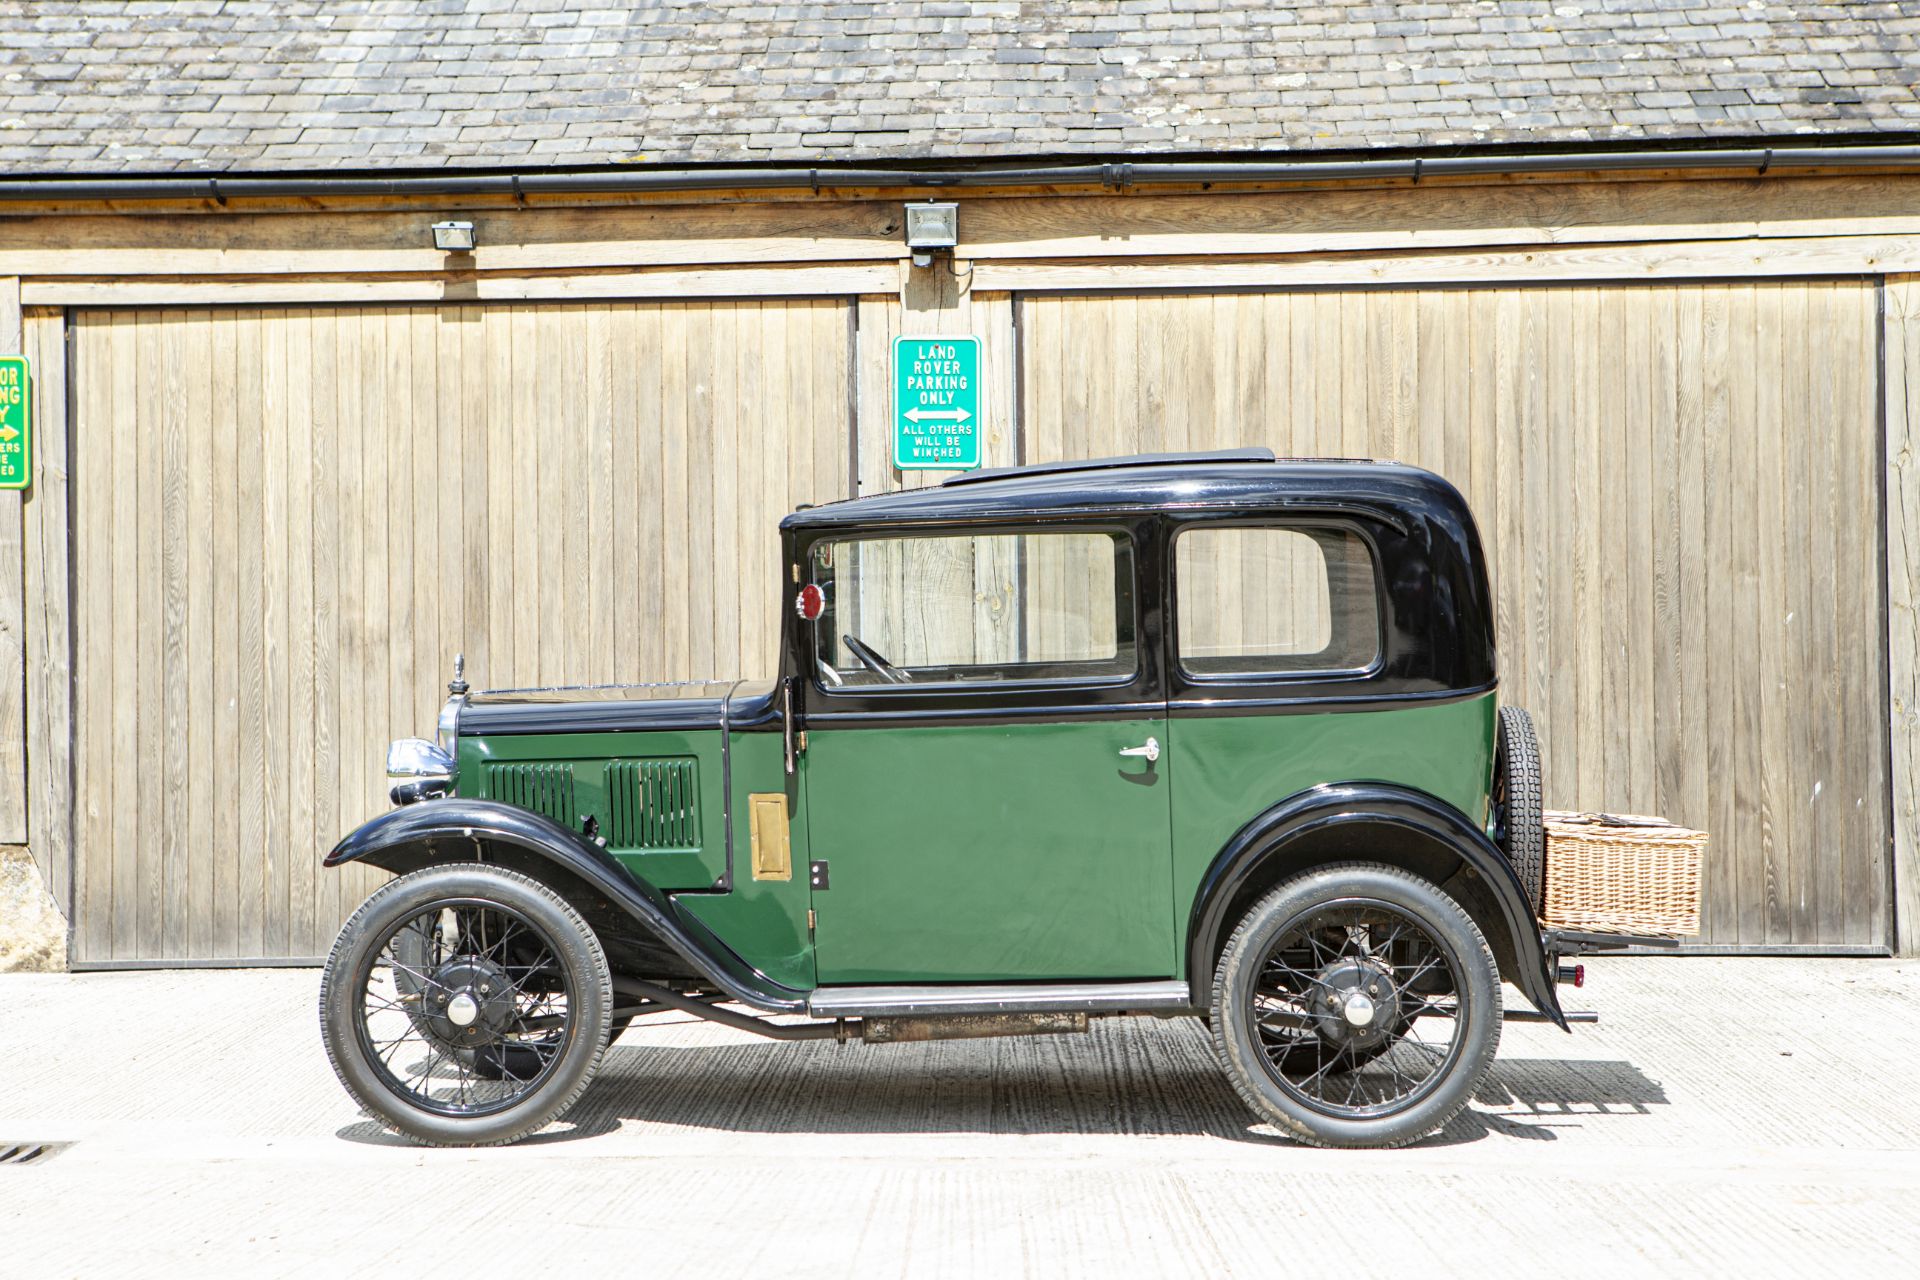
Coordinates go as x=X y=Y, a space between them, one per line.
x=1215 y=736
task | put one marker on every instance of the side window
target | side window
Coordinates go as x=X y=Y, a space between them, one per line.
x=1274 y=600
x=962 y=609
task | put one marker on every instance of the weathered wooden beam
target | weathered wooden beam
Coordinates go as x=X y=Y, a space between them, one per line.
x=1621 y=263
x=447 y=204
x=508 y=240
x=1902 y=381
x=1615 y=263
x=794 y=280
x=1084 y=226
x=1435 y=217
x=48 y=654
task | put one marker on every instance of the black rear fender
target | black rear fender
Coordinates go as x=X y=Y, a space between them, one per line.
x=638 y=926
x=1373 y=822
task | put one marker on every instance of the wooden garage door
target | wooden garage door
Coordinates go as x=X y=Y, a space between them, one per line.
x=287 y=522
x=1677 y=485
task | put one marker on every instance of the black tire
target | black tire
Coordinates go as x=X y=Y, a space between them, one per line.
x=1397 y=1091
x=1518 y=813
x=560 y=964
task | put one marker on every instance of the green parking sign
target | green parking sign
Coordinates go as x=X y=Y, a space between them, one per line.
x=936 y=404
x=16 y=423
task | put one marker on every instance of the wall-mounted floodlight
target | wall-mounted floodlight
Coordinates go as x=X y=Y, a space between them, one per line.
x=932 y=226
x=453 y=237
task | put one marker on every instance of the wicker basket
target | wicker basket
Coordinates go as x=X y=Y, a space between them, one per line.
x=1619 y=873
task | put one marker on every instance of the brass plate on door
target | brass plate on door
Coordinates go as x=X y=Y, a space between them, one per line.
x=767 y=825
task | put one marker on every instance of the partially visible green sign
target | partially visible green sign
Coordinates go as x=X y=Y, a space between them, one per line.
x=16 y=423
x=936 y=404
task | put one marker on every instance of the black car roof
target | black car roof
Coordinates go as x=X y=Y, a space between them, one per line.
x=1436 y=611
x=1253 y=479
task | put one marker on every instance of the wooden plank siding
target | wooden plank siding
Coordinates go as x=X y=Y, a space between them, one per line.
x=288 y=512
x=287 y=521
x=1675 y=484
x=49 y=675
x=1903 y=594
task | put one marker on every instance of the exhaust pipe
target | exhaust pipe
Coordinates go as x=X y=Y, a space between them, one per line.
x=959 y=1026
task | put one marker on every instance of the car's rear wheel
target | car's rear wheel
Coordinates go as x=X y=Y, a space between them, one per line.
x=465 y=1005
x=1356 y=1006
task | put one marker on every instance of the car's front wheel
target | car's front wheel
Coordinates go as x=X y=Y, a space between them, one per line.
x=1356 y=1006
x=465 y=1005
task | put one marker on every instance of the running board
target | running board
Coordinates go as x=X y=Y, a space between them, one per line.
x=1069 y=997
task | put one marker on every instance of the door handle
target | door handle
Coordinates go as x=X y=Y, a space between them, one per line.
x=1149 y=750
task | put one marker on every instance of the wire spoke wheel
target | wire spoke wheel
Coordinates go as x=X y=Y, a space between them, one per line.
x=464 y=1008
x=466 y=1004
x=1358 y=1010
x=1356 y=1005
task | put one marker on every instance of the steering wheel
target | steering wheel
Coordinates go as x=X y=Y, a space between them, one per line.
x=873 y=662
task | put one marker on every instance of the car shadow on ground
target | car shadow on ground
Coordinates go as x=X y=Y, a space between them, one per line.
x=1530 y=1098
x=1162 y=1081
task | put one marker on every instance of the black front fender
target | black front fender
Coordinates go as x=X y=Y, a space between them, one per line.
x=455 y=830
x=1372 y=821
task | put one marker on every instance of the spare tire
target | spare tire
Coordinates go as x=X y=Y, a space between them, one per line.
x=1518 y=823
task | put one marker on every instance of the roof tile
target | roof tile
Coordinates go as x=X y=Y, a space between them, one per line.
x=104 y=85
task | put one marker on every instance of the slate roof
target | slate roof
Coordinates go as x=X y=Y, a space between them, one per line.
x=149 y=85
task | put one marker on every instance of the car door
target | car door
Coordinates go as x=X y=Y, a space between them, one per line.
x=987 y=784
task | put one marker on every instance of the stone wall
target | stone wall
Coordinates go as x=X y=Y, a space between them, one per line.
x=33 y=934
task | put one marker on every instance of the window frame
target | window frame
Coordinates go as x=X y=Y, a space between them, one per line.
x=1214 y=682
x=1013 y=697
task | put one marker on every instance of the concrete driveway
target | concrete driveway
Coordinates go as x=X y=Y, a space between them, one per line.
x=1749 y=1117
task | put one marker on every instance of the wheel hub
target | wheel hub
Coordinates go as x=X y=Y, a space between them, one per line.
x=468 y=1002
x=1356 y=1003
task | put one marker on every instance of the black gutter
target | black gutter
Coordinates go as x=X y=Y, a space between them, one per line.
x=1120 y=175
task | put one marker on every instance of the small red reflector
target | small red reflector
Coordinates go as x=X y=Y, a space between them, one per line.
x=1579 y=975
x=810 y=602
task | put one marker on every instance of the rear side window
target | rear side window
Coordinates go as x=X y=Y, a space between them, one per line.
x=1274 y=600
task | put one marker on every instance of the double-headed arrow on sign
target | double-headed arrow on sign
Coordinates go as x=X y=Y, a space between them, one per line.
x=917 y=414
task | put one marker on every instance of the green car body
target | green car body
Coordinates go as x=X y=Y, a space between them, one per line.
x=882 y=922
x=983 y=814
